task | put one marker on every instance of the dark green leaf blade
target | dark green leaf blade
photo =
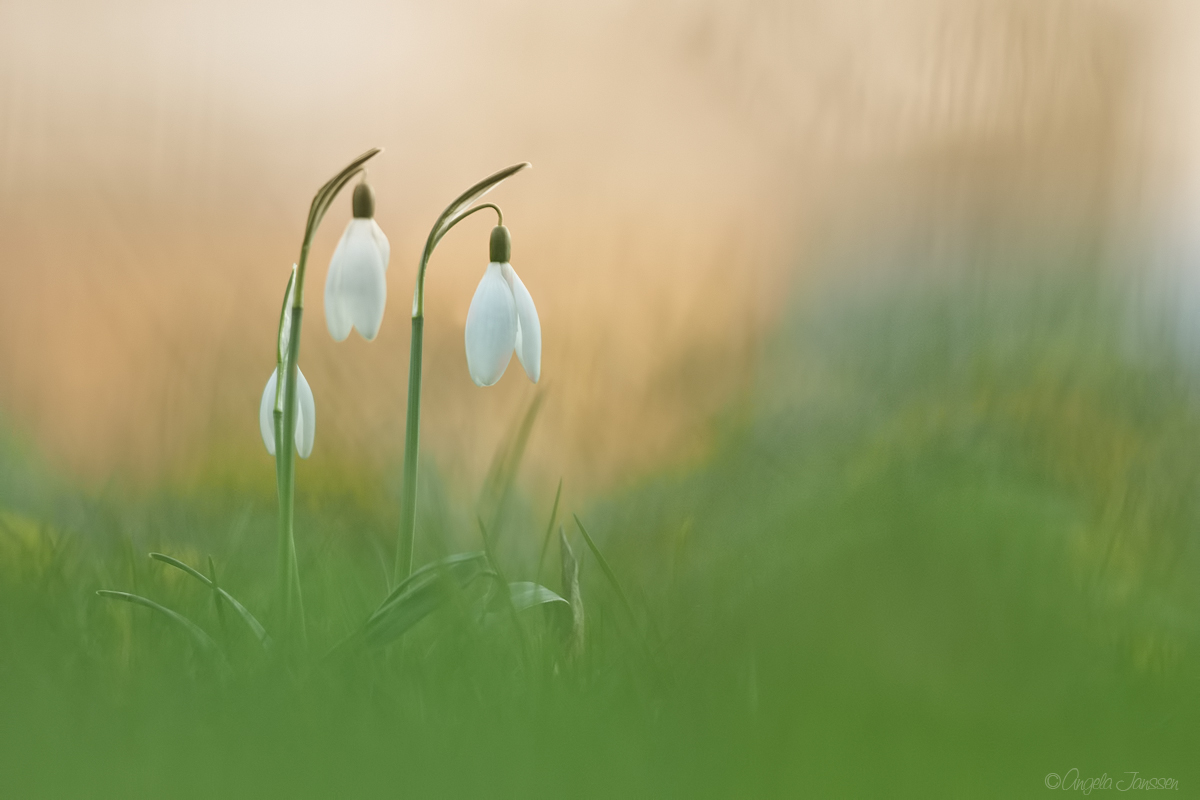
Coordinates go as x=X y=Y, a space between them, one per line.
x=421 y=594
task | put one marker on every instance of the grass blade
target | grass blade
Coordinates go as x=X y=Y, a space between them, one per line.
x=606 y=569
x=549 y=529
x=452 y=564
x=503 y=470
x=660 y=673
x=570 y=588
x=216 y=592
x=526 y=594
x=203 y=639
x=419 y=595
x=177 y=564
x=255 y=626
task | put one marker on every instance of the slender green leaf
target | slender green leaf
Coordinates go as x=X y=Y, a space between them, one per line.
x=570 y=589
x=454 y=563
x=606 y=569
x=526 y=594
x=549 y=530
x=421 y=594
x=505 y=464
x=216 y=592
x=260 y=633
x=612 y=579
x=285 y=321
x=174 y=562
x=203 y=639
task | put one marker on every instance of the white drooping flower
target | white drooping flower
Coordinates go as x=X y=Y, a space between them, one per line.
x=306 y=414
x=502 y=319
x=356 y=288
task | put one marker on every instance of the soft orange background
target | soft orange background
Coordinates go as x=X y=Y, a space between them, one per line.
x=691 y=160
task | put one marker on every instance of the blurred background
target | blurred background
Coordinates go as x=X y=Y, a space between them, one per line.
x=871 y=360
x=697 y=166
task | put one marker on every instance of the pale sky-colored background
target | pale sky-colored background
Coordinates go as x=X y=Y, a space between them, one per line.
x=693 y=162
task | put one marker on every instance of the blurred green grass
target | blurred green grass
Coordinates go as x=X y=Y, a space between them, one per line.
x=945 y=546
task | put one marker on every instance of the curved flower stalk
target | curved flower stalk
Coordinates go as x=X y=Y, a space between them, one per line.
x=490 y=338
x=502 y=319
x=293 y=415
x=356 y=287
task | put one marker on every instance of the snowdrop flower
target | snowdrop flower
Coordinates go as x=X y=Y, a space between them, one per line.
x=355 y=289
x=306 y=414
x=502 y=319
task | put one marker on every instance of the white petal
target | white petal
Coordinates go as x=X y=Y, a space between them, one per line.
x=306 y=416
x=381 y=243
x=356 y=289
x=529 y=328
x=491 y=331
x=363 y=285
x=266 y=413
x=336 y=318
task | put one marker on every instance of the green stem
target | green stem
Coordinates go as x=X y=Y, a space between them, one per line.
x=292 y=602
x=283 y=567
x=480 y=207
x=455 y=213
x=290 y=599
x=412 y=432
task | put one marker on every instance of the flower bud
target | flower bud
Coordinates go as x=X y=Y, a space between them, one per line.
x=501 y=245
x=363 y=204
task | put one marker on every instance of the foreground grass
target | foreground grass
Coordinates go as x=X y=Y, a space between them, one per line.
x=948 y=547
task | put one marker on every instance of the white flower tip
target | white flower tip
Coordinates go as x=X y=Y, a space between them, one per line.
x=529 y=328
x=370 y=330
x=488 y=379
x=306 y=416
x=337 y=330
